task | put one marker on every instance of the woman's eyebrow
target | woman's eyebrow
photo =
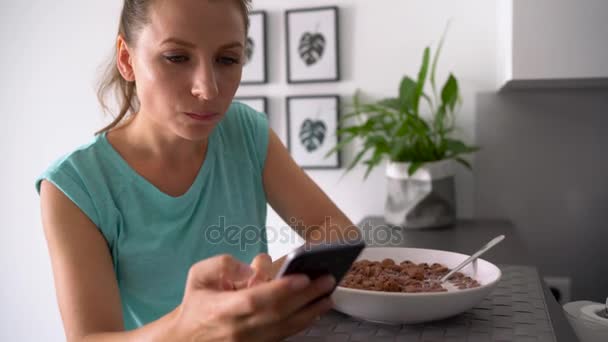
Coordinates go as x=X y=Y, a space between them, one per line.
x=177 y=41
x=231 y=45
x=191 y=45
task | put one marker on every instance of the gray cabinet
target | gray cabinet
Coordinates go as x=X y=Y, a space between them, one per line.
x=544 y=40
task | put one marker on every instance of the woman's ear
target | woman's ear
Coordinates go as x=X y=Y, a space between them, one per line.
x=123 y=60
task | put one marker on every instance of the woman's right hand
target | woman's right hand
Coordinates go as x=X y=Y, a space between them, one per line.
x=270 y=311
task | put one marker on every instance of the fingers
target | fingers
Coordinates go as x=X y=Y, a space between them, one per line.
x=318 y=288
x=262 y=262
x=306 y=317
x=267 y=308
x=219 y=272
x=262 y=265
x=285 y=326
x=247 y=302
x=283 y=297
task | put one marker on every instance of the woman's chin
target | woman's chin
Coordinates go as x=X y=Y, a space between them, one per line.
x=195 y=132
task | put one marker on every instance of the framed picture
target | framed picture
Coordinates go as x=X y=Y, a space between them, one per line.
x=312 y=122
x=259 y=103
x=312 y=45
x=255 y=68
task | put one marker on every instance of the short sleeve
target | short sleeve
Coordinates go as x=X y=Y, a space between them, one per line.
x=256 y=129
x=66 y=179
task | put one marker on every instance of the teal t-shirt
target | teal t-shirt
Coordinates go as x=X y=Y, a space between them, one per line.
x=154 y=238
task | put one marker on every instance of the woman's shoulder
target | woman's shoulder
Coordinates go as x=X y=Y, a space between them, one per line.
x=243 y=115
x=85 y=162
x=83 y=176
x=245 y=130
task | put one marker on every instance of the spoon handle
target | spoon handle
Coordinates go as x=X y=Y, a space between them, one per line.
x=477 y=254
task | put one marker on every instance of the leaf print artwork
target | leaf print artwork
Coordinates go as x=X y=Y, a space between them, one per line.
x=312 y=134
x=311 y=47
x=312 y=122
x=249 y=48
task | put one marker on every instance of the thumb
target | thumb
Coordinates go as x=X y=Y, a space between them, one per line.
x=218 y=273
x=262 y=265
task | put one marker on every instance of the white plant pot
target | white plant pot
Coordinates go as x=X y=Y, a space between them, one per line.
x=425 y=199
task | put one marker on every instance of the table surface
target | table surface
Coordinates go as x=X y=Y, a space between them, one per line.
x=465 y=236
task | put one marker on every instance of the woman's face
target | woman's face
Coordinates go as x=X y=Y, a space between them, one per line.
x=187 y=63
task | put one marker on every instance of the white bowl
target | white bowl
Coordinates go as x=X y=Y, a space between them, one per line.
x=399 y=307
x=587 y=329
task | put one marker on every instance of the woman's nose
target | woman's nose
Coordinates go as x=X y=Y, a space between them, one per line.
x=205 y=83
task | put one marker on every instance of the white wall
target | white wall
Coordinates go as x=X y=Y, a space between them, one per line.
x=380 y=42
x=50 y=54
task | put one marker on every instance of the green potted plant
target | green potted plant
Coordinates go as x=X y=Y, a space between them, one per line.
x=419 y=146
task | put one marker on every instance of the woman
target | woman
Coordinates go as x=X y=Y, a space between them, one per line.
x=182 y=175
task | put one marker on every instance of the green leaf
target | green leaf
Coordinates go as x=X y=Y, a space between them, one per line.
x=340 y=145
x=457 y=147
x=392 y=103
x=429 y=101
x=399 y=151
x=414 y=167
x=407 y=91
x=345 y=117
x=373 y=161
x=439 y=123
x=464 y=162
x=357 y=158
x=449 y=94
x=421 y=79
x=441 y=148
x=356 y=101
x=376 y=141
x=349 y=130
x=418 y=125
x=375 y=109
x=436 y=58
x=369 y=124
x=401 y=129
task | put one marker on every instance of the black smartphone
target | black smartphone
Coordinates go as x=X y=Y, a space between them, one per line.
x=323 y=259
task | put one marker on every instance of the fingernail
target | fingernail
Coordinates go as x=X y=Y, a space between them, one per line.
x=299 y=282
x=245 y=270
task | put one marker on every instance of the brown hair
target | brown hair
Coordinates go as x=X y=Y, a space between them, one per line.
x=133 y=17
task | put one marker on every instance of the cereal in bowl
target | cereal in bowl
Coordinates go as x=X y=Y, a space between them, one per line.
x=407 y=276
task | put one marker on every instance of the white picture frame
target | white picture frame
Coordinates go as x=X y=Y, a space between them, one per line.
x=312 y=124
x=312 y=45
x=255 y=70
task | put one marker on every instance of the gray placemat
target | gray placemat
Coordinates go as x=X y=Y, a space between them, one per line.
x=515 y=311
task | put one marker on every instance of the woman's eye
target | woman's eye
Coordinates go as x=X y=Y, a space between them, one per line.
x=177 y=59
x=228 y=60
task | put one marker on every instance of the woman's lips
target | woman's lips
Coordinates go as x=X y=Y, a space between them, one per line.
x=203 y=117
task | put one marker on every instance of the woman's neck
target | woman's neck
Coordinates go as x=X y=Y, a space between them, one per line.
x=150 y=141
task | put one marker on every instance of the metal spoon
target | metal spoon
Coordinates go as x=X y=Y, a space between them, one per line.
x=477 y=254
